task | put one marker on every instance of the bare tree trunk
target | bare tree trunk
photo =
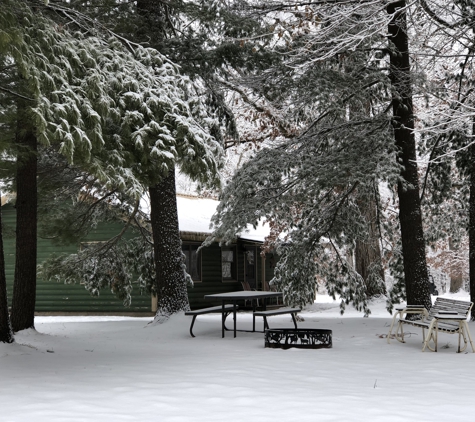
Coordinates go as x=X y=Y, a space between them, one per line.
x=24 y=287
x=6 y=333
x=410 y=215
x=169 y=266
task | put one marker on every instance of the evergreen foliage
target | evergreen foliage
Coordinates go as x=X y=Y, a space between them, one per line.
x=120 y=114
x=336 y=88
x=308 y=188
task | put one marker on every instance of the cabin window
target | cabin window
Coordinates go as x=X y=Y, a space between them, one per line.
x=228 y=263
x=192 y=260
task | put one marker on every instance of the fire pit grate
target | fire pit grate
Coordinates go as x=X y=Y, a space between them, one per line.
x=302 y=338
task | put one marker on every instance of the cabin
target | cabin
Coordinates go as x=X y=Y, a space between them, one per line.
x=214 y=269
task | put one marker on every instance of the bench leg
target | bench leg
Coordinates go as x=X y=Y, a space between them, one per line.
x=465 y=332
x=266 y=324
x=399 y=334
x=469 y=336
x=431 y=334
x=191 y=326
x=462 y=334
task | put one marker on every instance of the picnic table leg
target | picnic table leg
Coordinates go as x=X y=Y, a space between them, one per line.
x=294 y=320
x=191 y=326
x=223 y=320
x=234 y=316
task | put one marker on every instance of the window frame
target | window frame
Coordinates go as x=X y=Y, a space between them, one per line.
x=234 y=264
x=193 y=246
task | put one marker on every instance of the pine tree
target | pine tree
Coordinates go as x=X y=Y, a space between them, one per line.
x=336 y=63
x=410 y=215
x=200 y=50
x=118 y=111
x=448 y=184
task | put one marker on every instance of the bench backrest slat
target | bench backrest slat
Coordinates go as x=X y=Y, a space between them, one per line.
x=443 y=304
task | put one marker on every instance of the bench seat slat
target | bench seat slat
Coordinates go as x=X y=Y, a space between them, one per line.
x=280 y=311
x=210 y=310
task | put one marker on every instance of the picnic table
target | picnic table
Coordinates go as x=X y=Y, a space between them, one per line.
x=234 y=297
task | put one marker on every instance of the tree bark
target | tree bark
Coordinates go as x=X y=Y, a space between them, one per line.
x=6 y=333
x=456 y=270
x=410 y=215
x=169 y=266
x=368 y=252
x=471 y=225
x=24 y=287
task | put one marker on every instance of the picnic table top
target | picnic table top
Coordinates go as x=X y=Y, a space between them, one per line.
x=244 y=294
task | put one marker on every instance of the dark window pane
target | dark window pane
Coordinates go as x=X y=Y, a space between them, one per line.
x=192 y=261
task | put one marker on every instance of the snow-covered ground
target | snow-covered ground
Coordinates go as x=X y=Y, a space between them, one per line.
x=123 y=369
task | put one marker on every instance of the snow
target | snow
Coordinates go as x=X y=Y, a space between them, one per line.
x=194 y=215
x=124 y=369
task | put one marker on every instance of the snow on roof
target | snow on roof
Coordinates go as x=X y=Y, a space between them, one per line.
x=194 y=215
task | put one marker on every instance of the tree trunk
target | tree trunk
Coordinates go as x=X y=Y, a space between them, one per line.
x=410 y=216
x=456 y=271
x=24 y=287
x=471 y=225
x=169 y=266
x=368 y=252
x=6 y=333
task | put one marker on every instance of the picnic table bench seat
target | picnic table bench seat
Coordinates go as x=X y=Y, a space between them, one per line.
x=446 y=315
x=279 y=311
x=227 y=309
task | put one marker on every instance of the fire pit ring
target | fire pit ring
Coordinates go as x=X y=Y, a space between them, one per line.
x=301 y=338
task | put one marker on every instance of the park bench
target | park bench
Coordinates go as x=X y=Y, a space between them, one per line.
x=446 y=315
x=226 y=310
x=279 y=311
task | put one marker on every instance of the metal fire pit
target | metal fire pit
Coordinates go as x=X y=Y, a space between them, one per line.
x=302 y=338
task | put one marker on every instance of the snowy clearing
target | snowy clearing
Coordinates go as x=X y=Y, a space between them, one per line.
x=122 y=369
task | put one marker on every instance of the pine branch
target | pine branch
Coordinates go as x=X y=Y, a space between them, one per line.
x=338 y=207
x=288 y=133
x=436 y=17
x=16 y=94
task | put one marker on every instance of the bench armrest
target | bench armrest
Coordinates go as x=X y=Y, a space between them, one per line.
x=412 y=309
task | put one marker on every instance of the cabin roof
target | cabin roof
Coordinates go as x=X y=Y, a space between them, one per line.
x=194 y=216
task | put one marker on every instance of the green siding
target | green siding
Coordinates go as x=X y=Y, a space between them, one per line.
x=60 y=297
